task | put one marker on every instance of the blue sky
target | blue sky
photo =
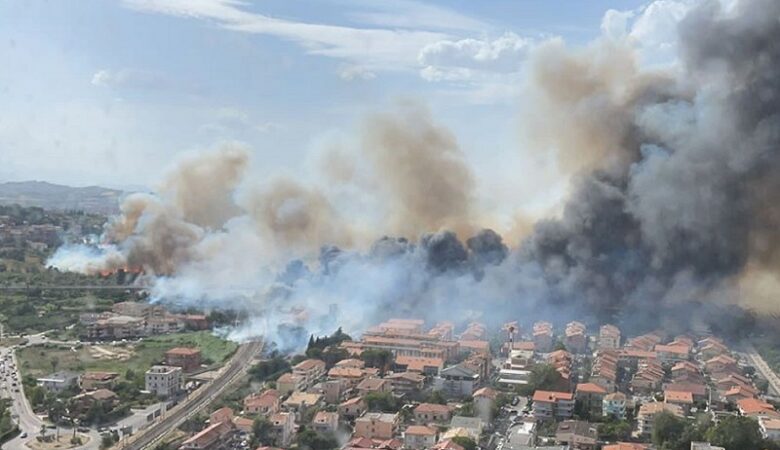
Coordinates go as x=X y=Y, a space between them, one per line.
x=113 y=92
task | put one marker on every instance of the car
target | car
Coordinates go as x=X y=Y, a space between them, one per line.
x=23 y=435
x=82 y=429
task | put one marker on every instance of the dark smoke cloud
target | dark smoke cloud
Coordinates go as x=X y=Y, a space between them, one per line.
x=673 y=205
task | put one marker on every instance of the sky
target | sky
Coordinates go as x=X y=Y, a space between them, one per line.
x=114 y=92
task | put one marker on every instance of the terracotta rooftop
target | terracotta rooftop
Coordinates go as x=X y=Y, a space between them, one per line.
x=552 y=396
x=591 y=388
x=431 y=408
x=420 y=430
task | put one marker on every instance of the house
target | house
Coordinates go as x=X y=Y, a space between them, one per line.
x=365 y=443
x=264 y=403
x=521 y=435
x=721 y=364
x=446 y=444
x=757 y=409
x=738 y=393
x=282 y=428
x=577 y=434
x=605 y=368
x=647 y=412
x=163 y=381
x=770 y=429
x=419 y=437
x=406 y=382
x=575 y=339
x=289 y=382
x=223 y=414
x=243 y=424
x=432 y=412
x=98 y=380
x=614 y=405
x=591 y=396
x=374 y=425
x=106 y=398
x=473 y=426
x=474 y=346
x=335 y=391
x=686 y=372
x=186 y=358
x=672 y=353
x=683 y=399
x=352 y=408
x=425 y=366
x=457 y=381
x=325 y=422
x=59 y=381
x=309 y=371
x=484 y=399
x=374 y=385
x=351 y=363
x=626 y=446
x=208 y=438
x=609 y=337
x=543 y=336
x=551 y=404
x=299 y=402
x=350 y=375
x=698 y=391
x=644 y=342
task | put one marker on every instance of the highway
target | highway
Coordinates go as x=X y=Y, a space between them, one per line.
x=198 y=400
x=763 y=367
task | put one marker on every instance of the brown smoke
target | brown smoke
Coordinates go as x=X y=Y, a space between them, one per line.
x=581 y=104
x=421 y=170
x=296 y=217
x=202 y=187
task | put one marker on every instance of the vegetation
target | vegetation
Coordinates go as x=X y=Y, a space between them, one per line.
x=381 y=401
x=615 y=430
x=270 y=369
x=309 y=439
x=379 y=359
x=732 y=433
x=544 y=377
x=466 y=442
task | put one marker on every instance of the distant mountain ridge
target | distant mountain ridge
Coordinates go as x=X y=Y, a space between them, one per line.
x=92 y=199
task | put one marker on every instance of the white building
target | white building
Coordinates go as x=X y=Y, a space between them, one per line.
x=770 y=428
x=58 y=382
x=163 y=381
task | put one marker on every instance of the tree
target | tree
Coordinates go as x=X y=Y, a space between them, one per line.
x=667 y=429
x=736 y=433
x=269 y=369
x=436 y=397
x=309 y=439
x=379 y=359
x=261 y=431
x=466 y=442
x=544 y=377
x=381 y=401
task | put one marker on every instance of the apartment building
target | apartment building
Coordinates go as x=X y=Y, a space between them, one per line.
x=187 y=358
x=575 y=337
x=163 y=381
x=591 y=396
x=309 y=371
x=432 y=412
x=647 y=413
x=418 y=437
x=374 y=425
x=551 y=404
x=264 y=403
x=543 y=336
x=609 y=337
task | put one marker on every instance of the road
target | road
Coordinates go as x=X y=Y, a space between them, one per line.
x=763 y=367
x=28 y=421
x=198 y=400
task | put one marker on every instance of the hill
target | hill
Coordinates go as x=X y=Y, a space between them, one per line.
x=91 y=199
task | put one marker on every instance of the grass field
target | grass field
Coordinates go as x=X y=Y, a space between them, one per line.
x=138 y=357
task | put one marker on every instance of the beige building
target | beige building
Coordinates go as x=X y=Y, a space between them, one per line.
x=374 y=425
x=419 y=437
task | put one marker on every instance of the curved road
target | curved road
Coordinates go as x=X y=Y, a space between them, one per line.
x=198 y=400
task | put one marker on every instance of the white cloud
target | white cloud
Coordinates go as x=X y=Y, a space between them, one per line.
x=370 y=48
x=464 y=58
x=414 y=15
x=352 y=72
x=131 y=78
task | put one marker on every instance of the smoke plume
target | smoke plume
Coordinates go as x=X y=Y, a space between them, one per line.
x=673 y=205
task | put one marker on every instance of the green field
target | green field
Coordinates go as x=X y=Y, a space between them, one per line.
x=42 y=360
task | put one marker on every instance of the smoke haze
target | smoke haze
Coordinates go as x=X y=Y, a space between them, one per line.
x=672 y=214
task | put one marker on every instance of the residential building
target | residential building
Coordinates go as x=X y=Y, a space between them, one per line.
x=325 y=422
x=704 y=446
x=425 y=366
x=209 y=437
x=84 y=402
x=446 y=444
x=352 y=408
x=457 y=381
x=59 y=381
x=591 y=396
x=521 y=435
x=406 y=382
x=551 y=404
x=609 y=337
x=309 y=371
x=474 y=346
x=98 y=380
x=647 y=412
x=683 y=399
x=374 y=425
x=282 y=428
x=770 y=428
x=186 y=358
x=614 y=405
x=626 y=446
x=374 y=385
x=418 y=437
x=575 y=337
x=644 y=342
x=473 y=426
x=672 y=353
x=543 y=336
x=300 y=402
x=432 y=412
x=605 y=369
x=721 y=364
x=350 y=375
x=577 y=434
x=163 y=381
x=335 y=391
x=698 y=391
x=289 y=382
x=484 y=399
x=757 y=409
x=264 y=403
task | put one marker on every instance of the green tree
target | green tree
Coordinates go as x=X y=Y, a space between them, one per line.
x=667 y=430
x=736 y=433
x=379 y=359
x=309 y=439
x=261 y=431
x=466 y=442
x=381 y=401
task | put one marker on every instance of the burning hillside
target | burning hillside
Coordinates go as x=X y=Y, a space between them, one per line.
x=673 y=203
